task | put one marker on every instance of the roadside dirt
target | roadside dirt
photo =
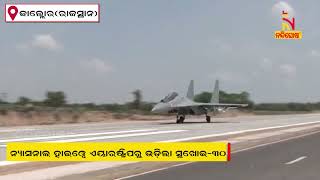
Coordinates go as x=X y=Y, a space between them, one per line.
x=15 y=118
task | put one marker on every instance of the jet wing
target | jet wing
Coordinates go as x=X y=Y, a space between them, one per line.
x=209 y=105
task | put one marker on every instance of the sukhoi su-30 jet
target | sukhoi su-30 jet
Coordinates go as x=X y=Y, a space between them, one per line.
x=182 y=106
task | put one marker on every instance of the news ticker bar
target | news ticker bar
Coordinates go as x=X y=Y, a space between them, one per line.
x=52 y=12
x=119 y=151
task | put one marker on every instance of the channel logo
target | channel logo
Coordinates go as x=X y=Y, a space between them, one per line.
x=288 y=30
x=52 y=13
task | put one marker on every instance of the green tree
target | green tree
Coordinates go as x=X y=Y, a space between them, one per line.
x=203 y=97
x=224 y=97
x=23 y=101
x=55 y=99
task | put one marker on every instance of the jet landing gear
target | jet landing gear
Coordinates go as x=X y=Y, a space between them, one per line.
x=180 y=119
x=208 y=118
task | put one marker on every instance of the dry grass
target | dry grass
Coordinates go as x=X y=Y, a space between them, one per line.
x=14 y=118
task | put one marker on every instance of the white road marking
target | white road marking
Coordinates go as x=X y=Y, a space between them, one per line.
x=259 y=136
x=296 y=160
x=6 y=163
x=72 y=135
x=238 y=132
x=119 y=136
x=17 y=129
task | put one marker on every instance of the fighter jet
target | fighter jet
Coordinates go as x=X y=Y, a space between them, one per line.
x=182 y=106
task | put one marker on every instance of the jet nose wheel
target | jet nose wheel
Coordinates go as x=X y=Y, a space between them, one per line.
x=180 y=119
x=208 y=118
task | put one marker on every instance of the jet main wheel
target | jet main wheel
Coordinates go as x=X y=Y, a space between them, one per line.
x=208 y=118
x=180 y=119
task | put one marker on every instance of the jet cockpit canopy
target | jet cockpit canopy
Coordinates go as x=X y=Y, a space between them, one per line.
x=169 y=97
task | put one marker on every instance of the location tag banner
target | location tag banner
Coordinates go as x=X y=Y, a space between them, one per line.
x=52 y=13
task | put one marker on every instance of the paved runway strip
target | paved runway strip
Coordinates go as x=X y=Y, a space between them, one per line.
x=264 y=163
x=158 y=131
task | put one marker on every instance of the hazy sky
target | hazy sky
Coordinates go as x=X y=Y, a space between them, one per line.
x=158 y=46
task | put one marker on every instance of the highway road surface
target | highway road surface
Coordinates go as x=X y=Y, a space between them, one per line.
x=194 y=129
x=295 y=159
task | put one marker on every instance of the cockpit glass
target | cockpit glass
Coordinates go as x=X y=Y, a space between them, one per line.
x=169 y=97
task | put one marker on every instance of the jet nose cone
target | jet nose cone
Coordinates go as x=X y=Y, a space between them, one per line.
x=160 y=108
x=154 y=108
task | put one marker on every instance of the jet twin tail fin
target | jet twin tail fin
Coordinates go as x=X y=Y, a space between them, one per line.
x=215 y=93
x=190 y=93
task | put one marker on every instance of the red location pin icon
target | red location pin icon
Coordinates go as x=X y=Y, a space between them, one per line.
x=13 y=11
